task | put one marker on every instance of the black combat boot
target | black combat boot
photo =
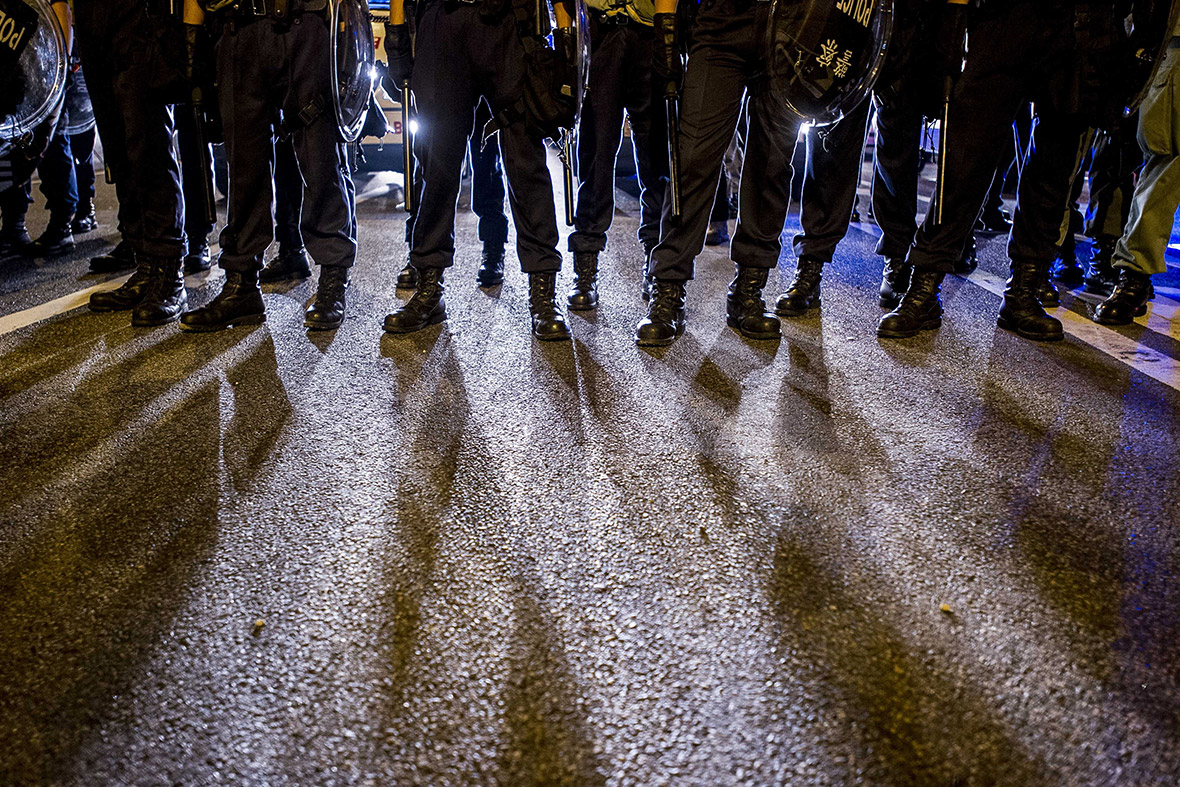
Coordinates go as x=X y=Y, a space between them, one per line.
x=491 y=266
x=803 y=293
x=548 y=324
x=665 y=315
x=895 y=280
x=84 y=218
x=1128 y=301
x=407 y=279
x=199 y=259
x=120 y=258
x=164 y=297
x=584 y=293
x=426 y=306
x=744 y=308
x=287 y=265
x=967 y=264
x=56 y=239
x=1022 y=312
x=327 y=309
x=14 y=237
x=1047 y=293
x=1101 y=277
x=920 y=308
x=238 y=303
x=1066 y=268
x=128 y=295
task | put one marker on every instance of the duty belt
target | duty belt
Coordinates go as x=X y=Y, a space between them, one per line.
x=279 y=10
x=603 y=18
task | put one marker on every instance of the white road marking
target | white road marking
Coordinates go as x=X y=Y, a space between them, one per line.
x=1142 y=359
x=17 y=320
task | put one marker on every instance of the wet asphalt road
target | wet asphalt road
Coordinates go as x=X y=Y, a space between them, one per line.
x=464 y=557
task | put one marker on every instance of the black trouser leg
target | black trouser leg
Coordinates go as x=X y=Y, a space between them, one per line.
x=644 y=102
x=1044 y=190
x=487 y=184
x=82 y=150
x=599 y=139
x=830 y=181
x=985 y=101
x=714 y=85
x=765 y=191
x=196 y=224
x=446 y=94
x=288 y=196
x=247 y=84
x=58 y=182
x=895 y=175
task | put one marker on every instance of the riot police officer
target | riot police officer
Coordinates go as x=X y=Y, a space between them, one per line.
x=899 y=102
x=1020 y=50
x=724 y=65
x=465 y=51
x=621 y=39
x=272 y=60
x=133 y=73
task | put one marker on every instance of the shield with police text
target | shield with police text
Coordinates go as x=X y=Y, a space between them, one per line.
x=353 y=59
x=78 y=114
x=33 y=66
x=823 y=56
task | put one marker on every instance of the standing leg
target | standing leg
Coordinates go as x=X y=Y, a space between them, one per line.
x=292 y=261
x=196 y=224
x=60 y=188
x=82 y=149
x=830 y=182
x=487 y=200
x=598 y=148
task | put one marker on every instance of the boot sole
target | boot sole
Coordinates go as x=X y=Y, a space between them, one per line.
x=323 y=326
x=797 y=312
x=252 y=319
x=1035 y=337
x=759 y=335
x=110 y=309
x=435 y=320
x=489 y=284
x=581 y=307
x=554 y=338
x=659 y=342
x=155 y=323
x=284 y=277
x=929 y=325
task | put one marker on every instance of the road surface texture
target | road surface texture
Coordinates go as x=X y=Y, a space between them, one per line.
x=463 y=557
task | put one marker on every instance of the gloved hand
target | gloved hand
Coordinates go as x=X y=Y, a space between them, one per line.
x=565 y=43
x=666 y=63
x=400 y=54
x=945 y=63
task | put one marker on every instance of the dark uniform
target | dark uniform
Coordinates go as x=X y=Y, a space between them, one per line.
x=725 y=65
x=465 y=52
x=269 y=65
x=121 y=47
x=1021 y=50
x=621 y=39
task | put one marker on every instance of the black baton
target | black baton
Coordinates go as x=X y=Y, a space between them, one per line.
x=204 y=160
x=567 y=168
x=672 y=105
x=407 y=148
